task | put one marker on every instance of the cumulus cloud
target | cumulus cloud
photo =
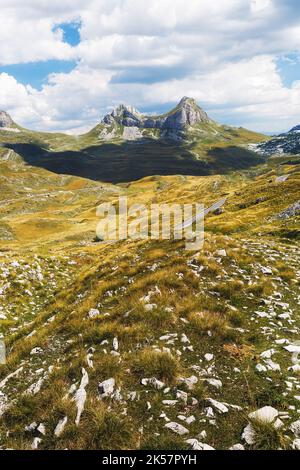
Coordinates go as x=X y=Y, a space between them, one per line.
x=150 y=54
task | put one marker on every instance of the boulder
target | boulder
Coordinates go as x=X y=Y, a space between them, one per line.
x=267 y=414
x=295 y=428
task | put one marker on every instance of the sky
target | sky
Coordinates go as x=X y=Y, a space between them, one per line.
x=65 y=63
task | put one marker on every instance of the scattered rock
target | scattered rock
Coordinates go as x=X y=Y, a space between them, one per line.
x=220 y=407
x=237 y=447
x=94 y=313
x=208 y=357
x=80 y=396
x=36 y=351
x=267 y=414
x=296 y=444
x=41 y=429
x=31 y=427
x=150 y=307
x=267 y=271
x=196 y=445
x=115 y=344
x=214 y=383
x=36 y=443
x=289 y=212
x=295 y=428
x=249 y=435
x=157 y=384
x=60 y=426
x=221 y=253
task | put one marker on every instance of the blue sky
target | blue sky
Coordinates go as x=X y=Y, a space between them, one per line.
x=36 y=73
x=71 y=32
x=64 y=64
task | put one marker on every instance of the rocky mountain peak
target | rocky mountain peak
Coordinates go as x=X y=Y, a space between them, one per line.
x=187 y=102
x=187 y=113
x=5 y=119
x=125 y=115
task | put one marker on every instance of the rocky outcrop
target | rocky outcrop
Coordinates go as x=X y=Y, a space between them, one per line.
x=295 y=129
x=186 y=113
x=125 y=116
x=5 y=120
x=289 y=212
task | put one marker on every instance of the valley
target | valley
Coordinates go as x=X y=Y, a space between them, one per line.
x=119 y=149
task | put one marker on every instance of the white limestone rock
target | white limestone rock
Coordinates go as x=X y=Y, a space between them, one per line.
x=295 y=428
x=177 y=428
x=220 y=407
x=80 y=396
x=93 y=313
x=249 y=435
x=208 y=357
x=267 y=414
x=197 y=445
x=157 y=384
x=106 y=388
x=237 y=447
x=60 y=426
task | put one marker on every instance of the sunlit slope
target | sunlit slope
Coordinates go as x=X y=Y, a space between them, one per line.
x=38 y=207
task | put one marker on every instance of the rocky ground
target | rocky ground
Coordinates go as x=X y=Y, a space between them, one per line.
x=212 y=380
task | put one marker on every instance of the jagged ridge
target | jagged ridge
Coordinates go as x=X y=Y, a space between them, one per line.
x=5 y=120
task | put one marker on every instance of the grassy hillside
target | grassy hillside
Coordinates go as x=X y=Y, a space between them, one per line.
x=209 y=350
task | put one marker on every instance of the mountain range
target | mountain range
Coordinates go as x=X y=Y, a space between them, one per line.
x=172 y=125
x=127 y=145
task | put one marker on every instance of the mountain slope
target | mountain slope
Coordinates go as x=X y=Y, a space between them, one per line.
x=283 y=144
x=128 y=146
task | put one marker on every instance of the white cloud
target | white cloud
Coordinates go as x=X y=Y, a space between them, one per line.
x=257 y=6
x=27 y=34
x=222 y=52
